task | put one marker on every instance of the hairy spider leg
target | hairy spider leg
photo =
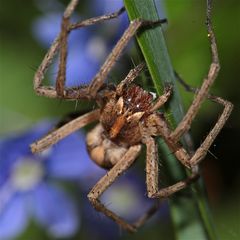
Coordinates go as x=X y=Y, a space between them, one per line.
x=133 y=73
x=121 y=166
x=131 y=76
x=60 y=44
x=182 y=156
x=66 y=27
x=228 y=107
x=185 y=123
x=106 y=181
x=180 y=153
x=172 y=138
x=152 y=174
x=117 y=50
x=60 y=133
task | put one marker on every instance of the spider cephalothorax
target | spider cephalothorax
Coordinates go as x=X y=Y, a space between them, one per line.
x=121 y=119
x=121 y=115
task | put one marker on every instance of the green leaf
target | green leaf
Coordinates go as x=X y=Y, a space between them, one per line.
x=190 y=214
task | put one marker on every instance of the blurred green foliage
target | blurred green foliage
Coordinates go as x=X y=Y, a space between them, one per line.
x=187 y=43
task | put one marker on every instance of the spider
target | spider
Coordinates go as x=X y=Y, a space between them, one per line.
x=128 y=116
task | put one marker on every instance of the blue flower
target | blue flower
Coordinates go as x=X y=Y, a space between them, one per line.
x=113 y=29
x=27 y=187
x=87 y=46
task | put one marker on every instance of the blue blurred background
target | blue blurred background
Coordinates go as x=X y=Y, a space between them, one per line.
x=27 y=30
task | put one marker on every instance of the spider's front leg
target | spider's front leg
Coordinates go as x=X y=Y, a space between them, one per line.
x=61 y=77
x=203 y=149
x=60 y=45
x=65 y=130
x=185 y=124
x=228 y=106
x=117 y=51
x=49 y=91
x=121 y=166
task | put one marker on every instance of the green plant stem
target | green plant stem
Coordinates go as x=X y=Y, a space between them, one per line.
x=190 y=215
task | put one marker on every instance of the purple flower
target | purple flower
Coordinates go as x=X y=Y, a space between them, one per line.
x=27 y=187
x=88 y=47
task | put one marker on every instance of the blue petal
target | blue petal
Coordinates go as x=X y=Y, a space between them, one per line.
x=79 y=36
x=116 y=27
x=106 y=6
x=80 y=67
x=46 y=28
x=69 y=159
x=17 y=147
x=55 y=211
x=13 y=218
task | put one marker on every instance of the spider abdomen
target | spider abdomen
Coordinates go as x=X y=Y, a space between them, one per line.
x=103 y=151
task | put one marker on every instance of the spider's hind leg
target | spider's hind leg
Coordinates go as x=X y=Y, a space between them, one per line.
x=152 y=174
x=122 y=165
x=214 y=68
x=228 y=106
x=203 y=149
